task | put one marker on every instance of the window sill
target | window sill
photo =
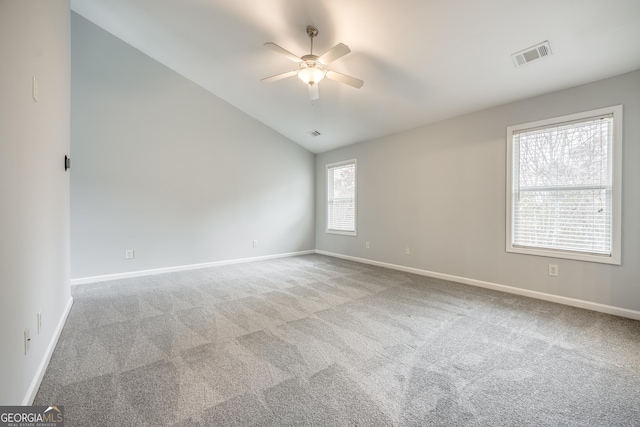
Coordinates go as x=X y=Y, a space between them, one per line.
x=343 y=233
x=614 y=259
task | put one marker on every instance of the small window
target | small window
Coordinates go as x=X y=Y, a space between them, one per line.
x=563 y=186
x=341 y=198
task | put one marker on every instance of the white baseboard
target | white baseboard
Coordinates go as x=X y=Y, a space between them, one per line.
x=42 y=368
x=594 y=306
x=116 y=276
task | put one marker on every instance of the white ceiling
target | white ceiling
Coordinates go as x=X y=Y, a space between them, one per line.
x=421 y=60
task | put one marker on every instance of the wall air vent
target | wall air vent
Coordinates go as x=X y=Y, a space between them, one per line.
x=314 y=133
x=531 y=54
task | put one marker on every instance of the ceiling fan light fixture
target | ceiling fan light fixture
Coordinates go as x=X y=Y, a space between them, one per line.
x=312 y=68
x=311 y=75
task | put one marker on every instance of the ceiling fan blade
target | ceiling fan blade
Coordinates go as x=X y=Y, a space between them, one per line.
x=343 y=78
x=280 y=76
x=282 y=51
x=336 y=52
x=314 y=93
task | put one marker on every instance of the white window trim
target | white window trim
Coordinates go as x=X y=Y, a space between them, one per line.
x=616 y=236
x=355 y=199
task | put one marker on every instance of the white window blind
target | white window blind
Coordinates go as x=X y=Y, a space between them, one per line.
x=341 y=197
x=562 y=186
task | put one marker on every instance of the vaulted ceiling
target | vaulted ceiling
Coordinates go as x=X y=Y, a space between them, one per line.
x=421 y=60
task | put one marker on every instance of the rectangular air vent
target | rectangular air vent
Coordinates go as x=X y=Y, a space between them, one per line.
x=531 y=54
x=314 y=133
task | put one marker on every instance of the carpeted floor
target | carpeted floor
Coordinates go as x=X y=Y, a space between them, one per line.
x=314 y=340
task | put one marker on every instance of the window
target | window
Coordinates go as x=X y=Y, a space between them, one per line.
x=563 y=186
x=341 y=198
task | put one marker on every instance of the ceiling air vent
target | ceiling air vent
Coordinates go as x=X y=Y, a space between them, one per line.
x=531 y=54
x=314 y=133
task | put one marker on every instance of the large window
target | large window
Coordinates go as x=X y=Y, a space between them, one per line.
x=563 y=186
x=341 y=198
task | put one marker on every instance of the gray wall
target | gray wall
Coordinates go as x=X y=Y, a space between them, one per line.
x=441 y=190
x=165 y=168
x=34 y=188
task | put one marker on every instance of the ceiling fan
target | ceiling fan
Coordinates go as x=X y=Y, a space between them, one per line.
x=312 y=68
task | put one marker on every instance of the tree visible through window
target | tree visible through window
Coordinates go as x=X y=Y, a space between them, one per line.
x=341 y=197
x=563 y=192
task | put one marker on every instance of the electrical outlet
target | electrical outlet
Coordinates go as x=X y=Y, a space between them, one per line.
x=366 y=245
x=407 y=250
x=553 y=270
x=255 y=243
x=39 y=321
x=128 y=254
x=27 y=340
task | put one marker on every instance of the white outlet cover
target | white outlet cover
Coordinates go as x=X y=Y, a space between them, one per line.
x=128 y=254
